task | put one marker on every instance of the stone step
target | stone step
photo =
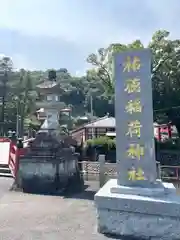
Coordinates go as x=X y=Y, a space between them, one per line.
x=5 y=171
x=9 y=175
x=4 y=165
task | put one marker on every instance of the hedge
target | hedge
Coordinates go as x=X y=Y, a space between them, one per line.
x=104 y=142
x=110 y=144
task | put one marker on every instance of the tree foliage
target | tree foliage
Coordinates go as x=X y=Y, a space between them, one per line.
x=165 y=73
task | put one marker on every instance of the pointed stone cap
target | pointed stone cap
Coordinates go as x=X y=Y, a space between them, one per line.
x=49 y=125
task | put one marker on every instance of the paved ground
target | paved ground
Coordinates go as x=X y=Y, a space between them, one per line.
x=5 y=184
x=38 y=217
x=28 y=216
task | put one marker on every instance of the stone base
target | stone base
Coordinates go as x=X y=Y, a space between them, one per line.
x=123 y=212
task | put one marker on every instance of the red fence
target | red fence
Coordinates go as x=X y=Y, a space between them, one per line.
x=171 y=173
x=167 y=171
x=13 y=159
x=4 y=150
x=14 y=155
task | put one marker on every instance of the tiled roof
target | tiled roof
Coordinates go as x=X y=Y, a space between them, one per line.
x=47 y=84
x=106 y=122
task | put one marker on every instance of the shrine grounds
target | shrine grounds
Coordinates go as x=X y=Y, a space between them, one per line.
x=28 y=216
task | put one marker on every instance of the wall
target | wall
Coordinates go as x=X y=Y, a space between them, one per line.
x=91 y=171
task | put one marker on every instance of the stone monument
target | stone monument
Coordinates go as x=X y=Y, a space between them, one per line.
x=136 y=204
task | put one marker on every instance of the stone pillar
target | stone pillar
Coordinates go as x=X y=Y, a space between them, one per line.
x=134 y=119
x=101 y=170
x=136 y=204
x=52 y=121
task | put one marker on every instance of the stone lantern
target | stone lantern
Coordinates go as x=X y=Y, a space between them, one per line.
x=49 y=100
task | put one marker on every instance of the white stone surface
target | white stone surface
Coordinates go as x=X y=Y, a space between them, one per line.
x=51 y=121
x=159 y=189
x=51 y=106
x=138 y=225
x=138 y=216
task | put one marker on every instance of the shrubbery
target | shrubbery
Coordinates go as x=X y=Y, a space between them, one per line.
x=103 y=142
x=110 y=144
x=170 y=144
x=101 y=145
x=107 y=146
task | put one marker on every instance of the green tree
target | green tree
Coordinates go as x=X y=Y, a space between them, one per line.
x=165 y=76
x=165 y=72
x=26 y=97
x=23 y=98
x=103 y=66
x=6 y=64
x=5 y=70
x=101 y=70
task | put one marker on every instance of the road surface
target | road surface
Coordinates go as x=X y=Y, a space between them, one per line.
x=28 y=216
x=5 y=185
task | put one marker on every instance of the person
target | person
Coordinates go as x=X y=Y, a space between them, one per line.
x=19 y=143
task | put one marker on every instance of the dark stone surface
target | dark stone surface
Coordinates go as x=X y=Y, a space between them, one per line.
x=50 y=148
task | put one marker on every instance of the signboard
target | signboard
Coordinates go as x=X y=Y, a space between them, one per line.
x=4 y=150
x=134 y=118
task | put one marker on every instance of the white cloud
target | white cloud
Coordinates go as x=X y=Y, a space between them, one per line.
x=89 y=22
x=84 y=24
x=21 y=61
x=64 y=19
x=79 y=73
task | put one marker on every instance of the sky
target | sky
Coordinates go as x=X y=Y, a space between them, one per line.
x=58 y=34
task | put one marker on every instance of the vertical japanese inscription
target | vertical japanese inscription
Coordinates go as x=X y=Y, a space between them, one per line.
x=133 y=142
x=132 y=86
x=132 y=64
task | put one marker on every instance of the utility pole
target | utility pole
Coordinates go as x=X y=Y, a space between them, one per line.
x=91 y=106
x=4 y=91
x=92 y=113
x=17 y=119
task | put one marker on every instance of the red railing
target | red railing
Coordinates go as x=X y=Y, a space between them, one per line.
x=13 y=159
x=166 y=172
x=170 y=173
x=14 y=155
